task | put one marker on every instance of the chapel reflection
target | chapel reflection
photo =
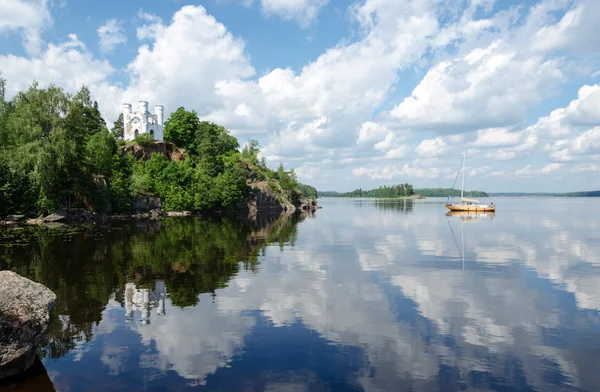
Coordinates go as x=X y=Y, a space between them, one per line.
x=143 y=300
x=138 y=263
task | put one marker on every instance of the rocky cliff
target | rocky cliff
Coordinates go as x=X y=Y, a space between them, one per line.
x=143 y=152
x=268 y=197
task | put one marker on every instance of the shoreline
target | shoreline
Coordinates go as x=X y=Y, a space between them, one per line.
x=80 y=218
x=414 y=197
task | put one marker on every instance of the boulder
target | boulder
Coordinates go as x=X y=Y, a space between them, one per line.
x=147 y=203
x=58 y=217
x=25 y=308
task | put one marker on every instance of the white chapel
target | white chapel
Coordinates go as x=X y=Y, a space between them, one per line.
x=142 y=121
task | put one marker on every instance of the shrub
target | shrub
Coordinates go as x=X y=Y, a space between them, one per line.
x=144 y=139
x=273 y=185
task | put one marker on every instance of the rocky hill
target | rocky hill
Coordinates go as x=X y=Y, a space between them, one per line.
x=170 y=151
x=269 y=197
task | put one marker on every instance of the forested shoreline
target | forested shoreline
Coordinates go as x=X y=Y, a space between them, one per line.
x=57 y=153
x=401 y=190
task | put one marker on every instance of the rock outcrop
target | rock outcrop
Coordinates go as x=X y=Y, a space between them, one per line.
x=264 y=199
x=25 y=308
x=147 y=203
x=307 y=205
x=143 y=152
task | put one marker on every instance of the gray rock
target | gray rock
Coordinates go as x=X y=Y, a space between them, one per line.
x=15 y=218
x=54 y=218
x=25 y=308
x=147 y=203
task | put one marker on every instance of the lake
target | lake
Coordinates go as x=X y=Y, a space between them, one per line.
x=364 y=295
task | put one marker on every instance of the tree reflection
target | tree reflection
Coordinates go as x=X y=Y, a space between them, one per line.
x=400 y=205
x=86 y=266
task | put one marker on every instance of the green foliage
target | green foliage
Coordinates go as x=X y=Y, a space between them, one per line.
x=251 y=150
x=307 y=190
x=394 y=191
x=100 y=150
x=402 y=190
x=118 y=130
x=181 y=128
x=121 y=187
x=57 y=153
x=444 y=192
x=144 y=139
x=191 y=256
x=212 y=143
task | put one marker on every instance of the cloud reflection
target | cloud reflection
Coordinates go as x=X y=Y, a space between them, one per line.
x=394 y=285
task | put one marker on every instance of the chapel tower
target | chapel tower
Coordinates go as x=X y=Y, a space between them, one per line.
x=142 y=121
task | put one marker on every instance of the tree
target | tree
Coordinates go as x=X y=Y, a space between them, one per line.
x=42 y=149
x=100 y=150
x=280 y=173
x=212 y=143
x=91 y=119
x=181 y=128
x=118 y=130
x=251 y=150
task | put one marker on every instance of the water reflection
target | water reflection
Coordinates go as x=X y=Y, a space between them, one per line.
x=143 y=299
x=362 y=297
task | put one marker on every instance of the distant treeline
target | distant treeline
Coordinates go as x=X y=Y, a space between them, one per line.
x=401 y=190
x=384 y=191
x=444 y=192
x=567 y=194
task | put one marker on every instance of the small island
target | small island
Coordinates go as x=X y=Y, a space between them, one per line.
x=60 y=161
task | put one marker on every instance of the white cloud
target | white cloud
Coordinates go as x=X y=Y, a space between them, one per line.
x=186 y=60
x=394 y=172
x=484 y=71
x=69 y=65
x=111 y=34
x=577 y=30
x=585 y=168
x=432 y=147
x=371 y=132
x=304 y=12
x=492 y=86
x=497 y=137
x=27 y=17
x=584 y=110
x=500 y=155
x=397 y=152
x=552 y=167
x=587 y=142
x=345 y=85
x=151 y=28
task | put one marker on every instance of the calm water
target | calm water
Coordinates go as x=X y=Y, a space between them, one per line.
x=364 y=295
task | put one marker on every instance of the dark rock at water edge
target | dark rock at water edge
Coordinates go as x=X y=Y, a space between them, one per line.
x=35 y=379
x=54 y=218
x=25 y=308
x=147 y=203
x=15 y=218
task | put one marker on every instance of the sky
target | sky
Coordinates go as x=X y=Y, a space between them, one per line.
x=348 y=93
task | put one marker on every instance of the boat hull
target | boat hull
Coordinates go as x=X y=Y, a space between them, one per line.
x=473 y=208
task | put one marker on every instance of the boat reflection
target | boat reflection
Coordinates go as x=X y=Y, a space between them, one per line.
x=471 y=216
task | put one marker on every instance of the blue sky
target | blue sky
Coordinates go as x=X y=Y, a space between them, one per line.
x=350 y=94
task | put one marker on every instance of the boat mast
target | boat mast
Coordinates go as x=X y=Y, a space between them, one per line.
x=462 y=189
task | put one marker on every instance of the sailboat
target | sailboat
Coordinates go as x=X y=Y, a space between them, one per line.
x=467 y=204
